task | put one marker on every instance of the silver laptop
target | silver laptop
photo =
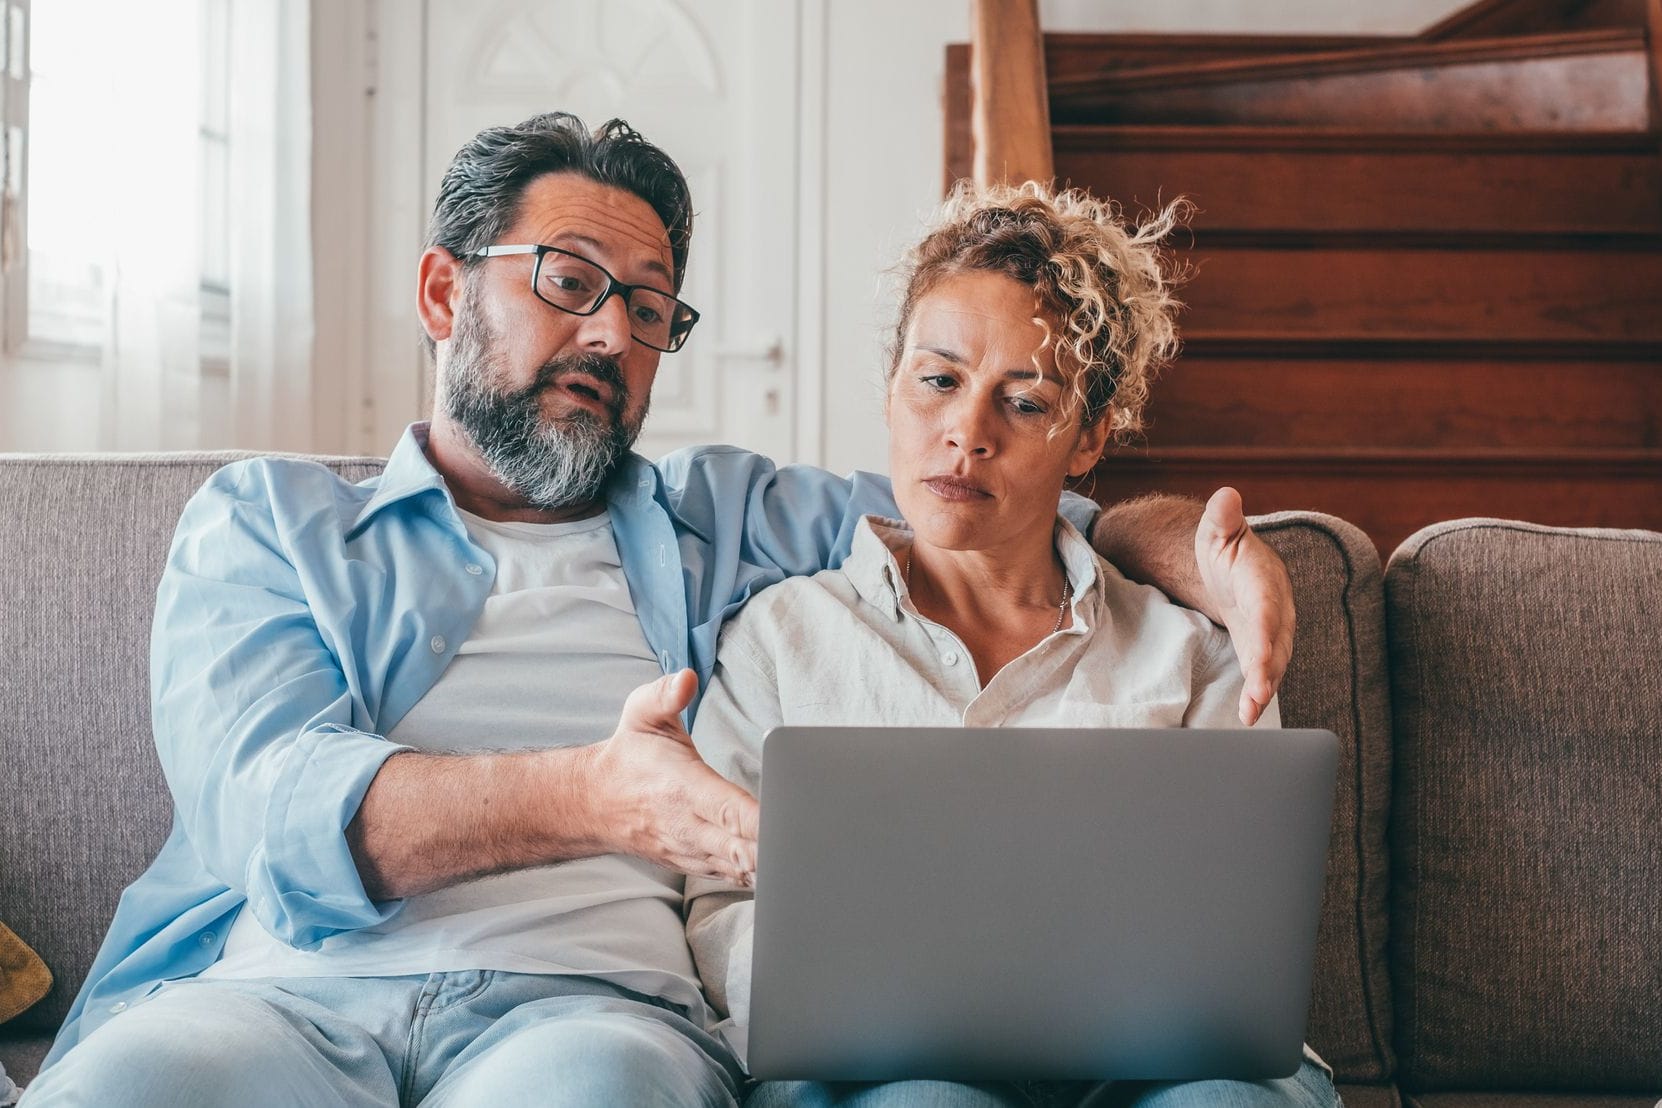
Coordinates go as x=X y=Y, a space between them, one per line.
x=975 y=904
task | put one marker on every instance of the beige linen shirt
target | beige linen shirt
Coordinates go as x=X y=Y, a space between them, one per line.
x=847 y=647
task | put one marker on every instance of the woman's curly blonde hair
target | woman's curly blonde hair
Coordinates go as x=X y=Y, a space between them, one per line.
x=1104 y=289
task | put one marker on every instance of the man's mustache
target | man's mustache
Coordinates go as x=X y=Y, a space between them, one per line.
x=598 y=366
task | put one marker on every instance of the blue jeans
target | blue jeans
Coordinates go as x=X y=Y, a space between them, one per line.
x=470 y=1038
x=1310 y=1087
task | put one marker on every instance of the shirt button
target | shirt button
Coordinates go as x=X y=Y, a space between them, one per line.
x=474 y=569
x=118 y=1007
x=663 y=555
x=207 y=939
x=950 y=657
x=437 y=644
x=664 y=660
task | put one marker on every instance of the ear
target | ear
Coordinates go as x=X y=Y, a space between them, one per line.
x=1092 y=441
x=438 y=291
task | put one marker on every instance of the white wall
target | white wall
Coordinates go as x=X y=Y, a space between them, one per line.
x=49 y=406
x=883 y=134
x=884 y=67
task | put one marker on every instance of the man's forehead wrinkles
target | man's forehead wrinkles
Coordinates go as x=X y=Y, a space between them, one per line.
x=597 y=220
x=580 y=242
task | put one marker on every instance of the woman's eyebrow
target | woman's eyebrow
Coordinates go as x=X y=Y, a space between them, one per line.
x=1030 y=374
x=1027 y=374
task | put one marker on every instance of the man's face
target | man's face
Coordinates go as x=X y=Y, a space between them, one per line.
x=553 y=401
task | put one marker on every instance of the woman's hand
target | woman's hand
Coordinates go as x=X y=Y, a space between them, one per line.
x=1250 y=594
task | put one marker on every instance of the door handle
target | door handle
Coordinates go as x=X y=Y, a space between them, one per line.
x=770 y=351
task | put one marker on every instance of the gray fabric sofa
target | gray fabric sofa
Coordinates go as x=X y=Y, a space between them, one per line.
x=1491 y=935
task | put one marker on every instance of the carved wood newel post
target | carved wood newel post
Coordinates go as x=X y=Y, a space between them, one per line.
x=1010 y=115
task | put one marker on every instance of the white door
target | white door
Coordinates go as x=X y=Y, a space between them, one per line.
x=714 y=83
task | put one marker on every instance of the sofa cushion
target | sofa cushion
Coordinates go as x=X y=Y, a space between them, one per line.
x=88 y=539
x=1368 y=1096
x=21 y=1056
x=1337 y=680
x=1526 y=668
x=86 y=807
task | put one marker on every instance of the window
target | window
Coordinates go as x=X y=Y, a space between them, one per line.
x=61 y=269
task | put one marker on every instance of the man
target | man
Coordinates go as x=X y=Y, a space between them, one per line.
x=402 y=869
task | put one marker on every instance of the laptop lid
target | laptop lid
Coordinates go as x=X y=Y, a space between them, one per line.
x=1025 y=903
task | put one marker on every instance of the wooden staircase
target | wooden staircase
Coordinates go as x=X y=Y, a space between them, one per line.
x=1425 y=272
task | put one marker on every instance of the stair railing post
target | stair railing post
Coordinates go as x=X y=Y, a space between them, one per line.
x=1010 y=117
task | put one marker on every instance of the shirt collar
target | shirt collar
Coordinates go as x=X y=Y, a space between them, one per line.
x=876 y=574
x=871 y=566
x=409 y=473
x=1079 y=560
x=634 y=483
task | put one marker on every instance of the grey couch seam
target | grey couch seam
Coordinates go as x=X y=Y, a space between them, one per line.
x=1581 y=533
x=1419 y=843
x=1364 y=967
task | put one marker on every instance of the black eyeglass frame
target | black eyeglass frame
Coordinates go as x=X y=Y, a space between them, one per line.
x=614 y=287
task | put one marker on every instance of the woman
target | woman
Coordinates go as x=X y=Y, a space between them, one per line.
x=1031 y=326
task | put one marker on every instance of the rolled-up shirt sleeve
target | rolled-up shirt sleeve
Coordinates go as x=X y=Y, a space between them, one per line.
x=253 y=720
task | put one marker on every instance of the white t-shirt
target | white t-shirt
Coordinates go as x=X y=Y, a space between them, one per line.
x=553 y=656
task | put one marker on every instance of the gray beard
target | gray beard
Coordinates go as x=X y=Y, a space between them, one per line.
x=554 y=464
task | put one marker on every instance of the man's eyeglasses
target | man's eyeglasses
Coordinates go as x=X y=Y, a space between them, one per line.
x=572 y=283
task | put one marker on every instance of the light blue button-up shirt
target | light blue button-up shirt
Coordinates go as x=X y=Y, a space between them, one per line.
x=300 y=617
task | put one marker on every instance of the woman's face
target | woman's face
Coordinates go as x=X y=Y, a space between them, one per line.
x=970 y=408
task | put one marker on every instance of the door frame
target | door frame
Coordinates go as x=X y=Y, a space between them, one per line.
x=369 y=151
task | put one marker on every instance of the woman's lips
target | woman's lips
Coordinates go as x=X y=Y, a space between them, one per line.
x=955 y=488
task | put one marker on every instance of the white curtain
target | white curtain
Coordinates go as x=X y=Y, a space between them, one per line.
x=156 y=393
x=152 y=375
x=270 y=220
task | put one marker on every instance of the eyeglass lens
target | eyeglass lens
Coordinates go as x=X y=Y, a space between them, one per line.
x=574 y=285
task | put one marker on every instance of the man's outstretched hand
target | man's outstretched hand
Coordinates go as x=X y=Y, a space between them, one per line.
x=1251 y=594
x=653 y=797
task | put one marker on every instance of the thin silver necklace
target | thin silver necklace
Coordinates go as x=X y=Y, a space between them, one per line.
x=1061 y=612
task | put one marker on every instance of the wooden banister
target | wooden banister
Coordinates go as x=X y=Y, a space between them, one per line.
x=1653 y=47
x=1010 y=113
x=1488 y=18
x=1382 y=58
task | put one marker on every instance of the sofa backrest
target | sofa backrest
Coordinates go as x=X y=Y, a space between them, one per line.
x=1526 y=673
x=1337 y=680
x=83 y=807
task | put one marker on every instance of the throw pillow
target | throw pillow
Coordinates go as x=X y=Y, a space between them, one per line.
x=24 y=978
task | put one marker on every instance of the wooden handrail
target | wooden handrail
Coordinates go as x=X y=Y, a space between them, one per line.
x=1076 y=137
x=1010 y=113
x=1345 y=62
x=1488 y=18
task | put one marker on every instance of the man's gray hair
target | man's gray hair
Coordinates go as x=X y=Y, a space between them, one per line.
x=479 y=196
